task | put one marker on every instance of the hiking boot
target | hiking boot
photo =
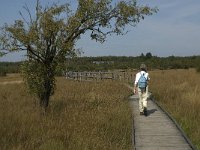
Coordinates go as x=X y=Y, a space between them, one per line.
x=145 y=111
x=141 y=113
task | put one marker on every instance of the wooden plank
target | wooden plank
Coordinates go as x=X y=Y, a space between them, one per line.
x=153 y=124
x=162 y=148
x=165 y=140
x=156 y=131
x=155 y=128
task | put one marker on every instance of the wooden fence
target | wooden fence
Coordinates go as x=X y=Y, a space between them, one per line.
x=95 y=76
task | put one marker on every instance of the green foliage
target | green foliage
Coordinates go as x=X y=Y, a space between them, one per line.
x=114 y=62
x=38 y=78
x=198 y=69
x=122 y=62
x=197 y=64
x=148 y=55
x=2 y=73
x=10 y=67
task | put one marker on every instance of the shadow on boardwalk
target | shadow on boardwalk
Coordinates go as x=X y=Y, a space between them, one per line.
x=149 y=112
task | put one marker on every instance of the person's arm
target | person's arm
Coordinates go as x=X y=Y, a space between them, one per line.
x=135 y=84
x=148 y=78
x=135 y=89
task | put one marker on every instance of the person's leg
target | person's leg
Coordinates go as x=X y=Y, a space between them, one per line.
x=141 y=108
x=144 y=100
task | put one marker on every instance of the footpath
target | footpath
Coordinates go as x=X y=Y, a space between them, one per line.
x=156 y=131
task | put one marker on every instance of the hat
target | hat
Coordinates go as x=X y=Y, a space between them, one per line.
x=143 y=66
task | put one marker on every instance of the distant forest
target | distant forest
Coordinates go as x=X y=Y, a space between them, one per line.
x=9 y=67
x=105 y=63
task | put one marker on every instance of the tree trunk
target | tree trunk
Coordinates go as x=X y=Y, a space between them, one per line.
x=45 y=96
x=44 y=100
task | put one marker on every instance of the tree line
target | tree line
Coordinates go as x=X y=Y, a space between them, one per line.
x=124 y=62
x=9 y=67
x=105 y=63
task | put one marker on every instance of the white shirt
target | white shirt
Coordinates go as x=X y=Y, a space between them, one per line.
x=146 y=75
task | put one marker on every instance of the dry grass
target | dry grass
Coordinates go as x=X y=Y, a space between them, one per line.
x=82 y=115
x=11 y=77
x=178 y=91
x=89 y=115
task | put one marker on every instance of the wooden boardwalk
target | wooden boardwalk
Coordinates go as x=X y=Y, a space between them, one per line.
x=156 y=131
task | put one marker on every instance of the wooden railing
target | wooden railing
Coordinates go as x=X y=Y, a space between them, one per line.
x=82 y=76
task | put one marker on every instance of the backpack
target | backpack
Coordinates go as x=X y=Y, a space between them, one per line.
x=142 y=82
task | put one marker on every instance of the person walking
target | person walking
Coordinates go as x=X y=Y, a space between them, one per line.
x=141 y=88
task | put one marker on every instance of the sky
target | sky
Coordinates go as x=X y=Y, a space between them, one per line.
x=174 y=30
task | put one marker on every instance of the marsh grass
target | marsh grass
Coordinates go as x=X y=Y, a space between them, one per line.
x=178 y=91
x=82 y=115
x=11 y=77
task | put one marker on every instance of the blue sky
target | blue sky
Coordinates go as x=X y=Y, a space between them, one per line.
x=174 y=30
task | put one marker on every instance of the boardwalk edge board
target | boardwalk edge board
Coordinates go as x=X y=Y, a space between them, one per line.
x=176 y=124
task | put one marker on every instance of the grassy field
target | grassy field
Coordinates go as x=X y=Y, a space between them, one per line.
x=93 y=115
x=82 y=115
x=11 y=77
x=178 y=91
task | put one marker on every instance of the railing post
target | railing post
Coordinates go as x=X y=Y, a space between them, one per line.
x=113 y=76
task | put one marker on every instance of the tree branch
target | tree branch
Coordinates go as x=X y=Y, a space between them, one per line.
x=29 y=49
